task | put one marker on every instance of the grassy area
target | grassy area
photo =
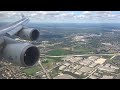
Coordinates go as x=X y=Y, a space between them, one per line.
x=81 y=50
x=57 y=52
x=31 y=70
x=52 y=59
x=54 y=72
x=47 y=64
x=107 y=57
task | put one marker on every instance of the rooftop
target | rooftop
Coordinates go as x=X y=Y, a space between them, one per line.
x=108 y=69
x=62 y=67
x=107 y=77
x=93 y=65
x=93 y=77
x=100 y=61
x=85 y=69
x=64 y=76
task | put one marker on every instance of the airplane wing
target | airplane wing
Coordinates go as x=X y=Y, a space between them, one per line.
x=21 y=53
x=13 y=28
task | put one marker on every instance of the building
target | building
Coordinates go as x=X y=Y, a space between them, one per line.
x=62 y=67
x=97 y=74
x=118 y=76
x=93 y=77
x=77 y=67
x=107 y=44
x=107 y=65
x=72 y=65
x=45 y=42
x=114 y=67
x=66 y=64
x=92 y=65
x=73 y=70
x=107 y=77
x=72 y=59
x=85 y=62
x=78 y=72
x=85 y=69
x=67 y=69
x=79 y=38
x=100 y=61
x=108 y=69
x=93 y=58
x=64 y=76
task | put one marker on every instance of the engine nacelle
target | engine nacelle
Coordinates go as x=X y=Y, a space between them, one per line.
x=29 y=34
x=23 y=54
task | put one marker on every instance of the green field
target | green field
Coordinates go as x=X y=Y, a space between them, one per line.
x=54 y=72
x=52 y=59
x=82 y=50
x=57 y=52
x=48 y=64
x=32 y=70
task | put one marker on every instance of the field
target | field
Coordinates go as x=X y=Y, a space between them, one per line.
x=32 y=70
x=46 y=64
x=81 y=50
x=58 y=52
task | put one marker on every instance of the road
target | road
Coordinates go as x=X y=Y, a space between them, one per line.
x=113 y=57
x=82 y=55
x=93 y=71
x=48 y=45
x=54 y=67
x=44 y=70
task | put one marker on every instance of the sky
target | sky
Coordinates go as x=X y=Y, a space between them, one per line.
x=62 y=16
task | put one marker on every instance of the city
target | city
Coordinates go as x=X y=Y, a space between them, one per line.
x=73 y=57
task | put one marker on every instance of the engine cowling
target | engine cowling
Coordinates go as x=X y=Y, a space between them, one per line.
x=23 y=54
x=29 y=34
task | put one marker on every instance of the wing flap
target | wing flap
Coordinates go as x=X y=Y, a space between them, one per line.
x=14 y=30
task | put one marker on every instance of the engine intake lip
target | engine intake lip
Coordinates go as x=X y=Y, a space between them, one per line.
x=30 y=56
x=34 y=35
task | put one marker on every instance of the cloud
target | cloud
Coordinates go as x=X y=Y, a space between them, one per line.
x=61 y=16
x=84 y=16
x=86 y=12
x=2 y=15
x=97 y=16
x=103 y=12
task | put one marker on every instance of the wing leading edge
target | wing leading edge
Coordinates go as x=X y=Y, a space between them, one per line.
x=13 y=28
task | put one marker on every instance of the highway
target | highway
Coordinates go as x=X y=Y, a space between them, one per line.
x=113 y=57
x=44 y=70
x=82 y=55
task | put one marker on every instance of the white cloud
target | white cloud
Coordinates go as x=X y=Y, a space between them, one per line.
x=103 y=12
x=85 y=15
x=86 y=12
x=54 y=16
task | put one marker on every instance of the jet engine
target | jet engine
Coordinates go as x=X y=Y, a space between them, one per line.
x=29 y=34
x=23 y=54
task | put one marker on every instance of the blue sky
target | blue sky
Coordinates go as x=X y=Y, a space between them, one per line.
x=63 y=16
